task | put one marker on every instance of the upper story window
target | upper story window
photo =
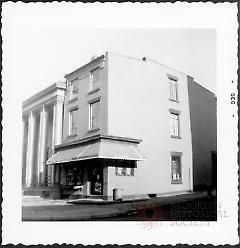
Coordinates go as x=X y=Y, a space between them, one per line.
x=176 y=168
x=173 y=89
x=95 y=79
x=73 y=122
x=175 y=125
x=74 y=89
x=95 y=115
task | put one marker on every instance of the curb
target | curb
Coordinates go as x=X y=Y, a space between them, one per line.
x=82 y=218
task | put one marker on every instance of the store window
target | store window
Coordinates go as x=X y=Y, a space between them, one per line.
x=74 y=176
x=124 y=171
x=70 y=177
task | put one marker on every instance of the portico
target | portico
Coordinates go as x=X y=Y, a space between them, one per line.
x=42 y=130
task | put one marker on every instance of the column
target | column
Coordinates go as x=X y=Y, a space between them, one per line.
x=86 y=189
x=53 y=169
x=57 y=123
x=42 y=146
x=57 y=174
x=24 y=151
x=30 y=149
x=53 y=127
x=57 y=131
x=63 y=175
x=39 y=149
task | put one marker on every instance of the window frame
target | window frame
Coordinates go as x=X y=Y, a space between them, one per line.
x=171 y=86
x=176 y=113
x=179 y=155
x=123 y=171
x=96 y=88
x=91 y=103
x=73 y=96
x=70 y=133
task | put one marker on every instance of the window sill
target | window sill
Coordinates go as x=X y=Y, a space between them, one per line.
x=94 y=130
x=72 y=135
x=120 y=175
x=73 y=99
x=94 y=90
x=176 y=182
x=172 y=100
x=175 y=137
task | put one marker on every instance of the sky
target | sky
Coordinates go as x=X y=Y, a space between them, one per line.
x=41 y=49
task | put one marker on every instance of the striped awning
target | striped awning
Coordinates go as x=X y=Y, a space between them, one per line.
x=107 y=149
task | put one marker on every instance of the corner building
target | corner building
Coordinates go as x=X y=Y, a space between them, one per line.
x=126 y=125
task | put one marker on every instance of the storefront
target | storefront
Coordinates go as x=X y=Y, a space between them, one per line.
x=81 y=168
x=79 y=178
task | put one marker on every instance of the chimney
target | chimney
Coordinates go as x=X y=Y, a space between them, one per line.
x=93 y=57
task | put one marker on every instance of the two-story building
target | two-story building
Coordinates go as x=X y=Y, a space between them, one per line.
x=127 y=126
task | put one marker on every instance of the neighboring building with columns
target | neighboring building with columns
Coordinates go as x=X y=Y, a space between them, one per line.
x=126 y=124
x=42 y=130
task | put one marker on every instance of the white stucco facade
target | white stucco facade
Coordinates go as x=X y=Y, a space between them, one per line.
x=138 y=107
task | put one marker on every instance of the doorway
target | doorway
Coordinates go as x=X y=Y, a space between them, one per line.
x=96 y=179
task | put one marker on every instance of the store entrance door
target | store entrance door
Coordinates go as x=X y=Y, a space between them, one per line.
x=96 y=179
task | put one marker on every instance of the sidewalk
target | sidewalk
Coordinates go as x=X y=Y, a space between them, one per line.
x=38 y=201
x=38 y=209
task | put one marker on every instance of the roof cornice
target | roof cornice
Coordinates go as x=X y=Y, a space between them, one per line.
x=51 y=88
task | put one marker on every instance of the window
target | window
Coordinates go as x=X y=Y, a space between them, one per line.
x=94 y=115
x=95 y=79
x=175 y=131
x=69 y=177
x=118 y=171
x=173 y=89
x=73 y=122
x=124 y=171
x=176 y=168
x=74 y=89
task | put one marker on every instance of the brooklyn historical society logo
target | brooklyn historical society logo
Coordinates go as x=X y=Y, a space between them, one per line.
x=151 y=216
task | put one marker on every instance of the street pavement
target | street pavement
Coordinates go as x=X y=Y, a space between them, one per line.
x=189 y=206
